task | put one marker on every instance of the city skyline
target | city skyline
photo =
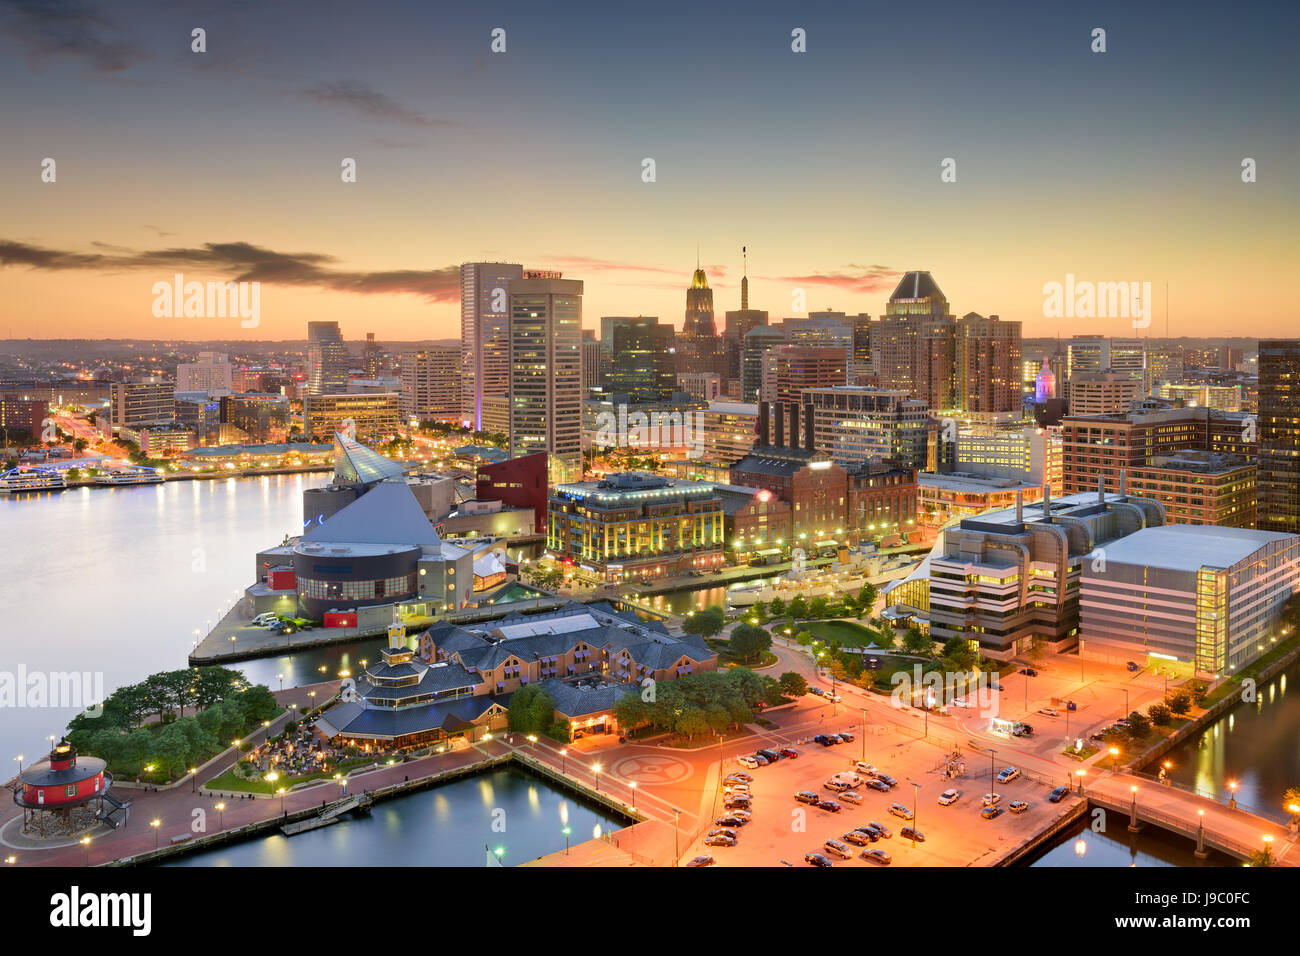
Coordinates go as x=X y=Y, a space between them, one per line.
x=1120 y=166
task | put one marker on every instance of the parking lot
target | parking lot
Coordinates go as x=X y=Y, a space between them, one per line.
x=782 y=830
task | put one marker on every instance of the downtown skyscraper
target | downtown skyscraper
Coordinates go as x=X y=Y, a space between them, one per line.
x=328 y=361
x=485 y=343
x=917 y=342
x=544 y=398
x=1277 y=479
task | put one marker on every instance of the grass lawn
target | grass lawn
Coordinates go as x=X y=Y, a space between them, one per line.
x=727 y=659
x=848 y=633
x=228 y=780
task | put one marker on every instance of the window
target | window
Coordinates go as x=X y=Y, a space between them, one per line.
x=70 y=790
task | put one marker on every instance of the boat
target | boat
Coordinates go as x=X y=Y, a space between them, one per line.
x=20 y=480
x=847 y=574
x=130 y=476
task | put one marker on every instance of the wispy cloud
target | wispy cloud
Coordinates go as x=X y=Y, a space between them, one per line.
x=243 y=262
x=590 y=264
x=357 y=97
x=49 y=29
x=852 y=278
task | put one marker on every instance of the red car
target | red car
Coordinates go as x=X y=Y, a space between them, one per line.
x=788 y=753
x=830 y=805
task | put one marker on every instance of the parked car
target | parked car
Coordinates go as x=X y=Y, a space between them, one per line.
x=1029 y=672
x=1132 y=666
x=824 y=740
x=898 y=810
x=846 y=736
x=839 y=786
x=1018 y=806
x=816 y=690
x=1049 y=712
x=851 y=796
x=789 y=752
x=880 y=828
x=992 y=799
x=1099 y=735
x=282 y=627
x=837 y=848
x=701 y=861
x=959 y=702
x=1057 y=795
x=830 y=805
x=875 y=783
x=834 y=739
x=1023 y=730
x=991 y=813
x=739 y=801
x=996 y=686
x=719 y=839
x=859 y=838
x=911 y=833
x=816 y=859
x=876 y=856
x=949 y=797
x=849 y=777
x=807 y=796
x=265 y=618
x=747 y=761
x=735 y=788
x=1008 y=774
x=738 y=778
x=835 y=697
x=771 y=755
x=725 y=830
x=759 y=759
x=730 y=820
x=741 y=814
x=887 y=780
x=866 y=768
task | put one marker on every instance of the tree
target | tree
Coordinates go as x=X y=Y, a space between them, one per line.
x=867 y=597
x=914 y=642
x=1138 y=724
x=817 y=608
x=1160 y=714
x=532 y=710
x=793 y=684
x=885 y=637
x=799 y=607
x=776 y=608
x=1291 y=802
x=706 y=622
x=959 y=654
x=1180 y=703
x=749 y=642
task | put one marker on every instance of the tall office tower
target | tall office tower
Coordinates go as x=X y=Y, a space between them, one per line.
x=431 y=384
x=862 y=360
x=699 y=349
x=1164 y=366
x=211 y=373
x=485 y=342
x=1088 y=355
x=823 y=330
x=142 y=400
x=918 y=342
x=1103 y=393
x=591 y=370
x=644 y=360
x=789 y=369
x=1278 y=481
x=328 y=361
x=699 y=306
x=1229 y=358
x=545 y=385
x=372 y=358
x=1128 y=357
x=987 y=361
x=756 y=343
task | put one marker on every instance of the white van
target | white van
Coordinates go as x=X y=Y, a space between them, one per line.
x=262 y=620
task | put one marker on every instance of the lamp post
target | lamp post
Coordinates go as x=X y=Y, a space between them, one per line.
x=1114 y=758
x=19 y=758
x=566 y=841
x=1133 y=811
x=85 y=844
x=993 y=780
x=194 y=779
x=1081 y=774
x=280 y=677
x=1200 y=834
x=281 y=793
x=632 y=785
x=564 y=759
x=155 y=823
x=596 y=770
x=916 y=810
x=221 y=816
x=1232 y=799
x=677 y=849
x=864 y=735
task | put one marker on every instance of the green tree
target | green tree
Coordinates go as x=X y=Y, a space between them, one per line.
x=799 y=607
x=749 y=642
x=777 y=608
x=532 y=710
x=1139 y=725
x=706 y=622
x=915 y=642
x=793 y=684
x=1180 y=703
x=1160 y=714
x=867 y=597
x=817 y=607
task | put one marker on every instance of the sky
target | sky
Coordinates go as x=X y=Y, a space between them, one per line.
x=1122 y=166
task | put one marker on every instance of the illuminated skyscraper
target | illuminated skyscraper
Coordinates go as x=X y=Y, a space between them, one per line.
x=485 y=342
x=328 y=361
x=917 y=342
x=1278 y=481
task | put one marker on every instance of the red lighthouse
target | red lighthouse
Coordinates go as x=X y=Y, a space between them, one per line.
x=63 y=781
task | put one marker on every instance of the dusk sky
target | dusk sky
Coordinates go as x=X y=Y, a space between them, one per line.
x=1118 y=166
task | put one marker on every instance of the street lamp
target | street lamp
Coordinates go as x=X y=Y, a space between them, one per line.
x=19 y=758
x=566 y=841
x=532 y=739
x=221 y=816
x=155 y=823
x=916 y=820
x=596 y=770
x=993 y=780
x=1114 y=758
x=564 y=759
x=85 y=842
x=632 y=785
x=1232 y=800
x=1133 y=810
x=677 y=849
x=194 y=779
x=1081 y=774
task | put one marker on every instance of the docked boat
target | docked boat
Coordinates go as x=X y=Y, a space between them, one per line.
x=846 y=574
x=22 y=480
x=130 y=476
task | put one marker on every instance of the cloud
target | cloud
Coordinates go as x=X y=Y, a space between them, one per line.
x=852 y=278
x=243 y=262
x=593 y=264
x=47 y=29
x=357 y=97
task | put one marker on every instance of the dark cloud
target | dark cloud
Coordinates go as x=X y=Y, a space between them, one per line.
x=357 y=97
x=47 y=29
x=244 y=262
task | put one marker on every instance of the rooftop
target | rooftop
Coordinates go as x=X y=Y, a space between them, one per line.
x=1187 y=547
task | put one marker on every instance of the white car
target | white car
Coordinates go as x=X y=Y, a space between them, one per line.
x=866 y=768
x=1049 y=711
x=266 y=619
x=1008 y=774
x=838 y=848
x=736 y=788
x=839 y=786
x=745 y=760
x=835 y=697
x=992 y=799
x=851 y=796
x=948 y=797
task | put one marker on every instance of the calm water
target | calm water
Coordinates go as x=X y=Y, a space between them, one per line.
x=1255 y=744
x=450 y=825
x=1079 y=846
x=116 y=581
